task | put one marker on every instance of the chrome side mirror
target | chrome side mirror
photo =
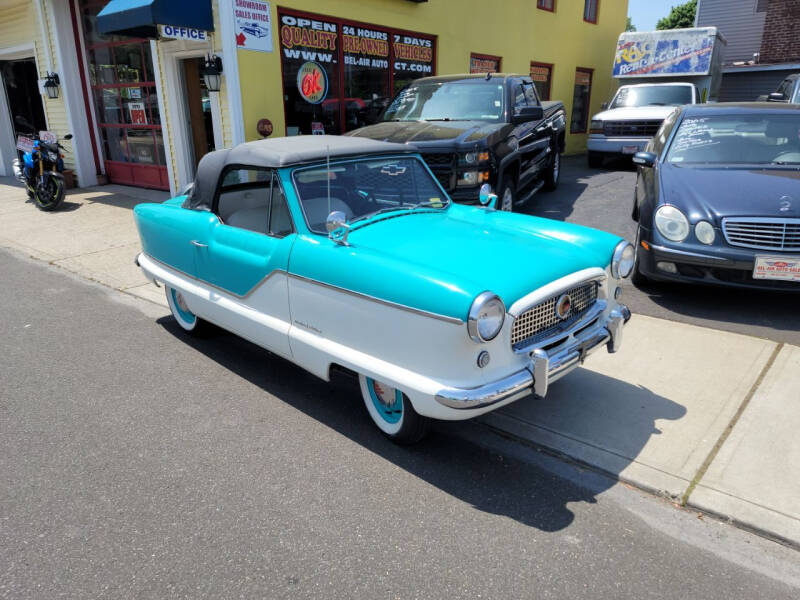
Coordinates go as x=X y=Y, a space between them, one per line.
x=486 y=197
x=335 y=220
x=337 y=227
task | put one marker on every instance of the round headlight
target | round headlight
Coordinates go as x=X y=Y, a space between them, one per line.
x=622 y=260
x=486 y=316
x=470 y=158
x=704 y=231
x=672 y=223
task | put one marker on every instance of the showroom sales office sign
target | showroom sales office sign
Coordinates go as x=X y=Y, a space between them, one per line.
x=252 y=25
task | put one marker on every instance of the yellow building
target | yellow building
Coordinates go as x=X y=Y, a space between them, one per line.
x=137 y=86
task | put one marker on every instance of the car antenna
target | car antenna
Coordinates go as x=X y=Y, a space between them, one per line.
x=328 y=175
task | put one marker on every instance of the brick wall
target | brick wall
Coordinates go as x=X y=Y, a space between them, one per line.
x=781 y=40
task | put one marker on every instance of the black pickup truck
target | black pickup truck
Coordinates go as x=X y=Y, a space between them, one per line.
x=476 y=129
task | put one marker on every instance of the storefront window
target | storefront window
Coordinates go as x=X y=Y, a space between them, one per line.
x=339 y=75
x=590 y=10
x=413 y=57
x=126 y=103
x=542 y=76
x=580 y=101
x=366 y=74
x=484 y=63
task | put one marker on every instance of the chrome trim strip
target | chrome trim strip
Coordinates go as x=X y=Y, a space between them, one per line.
x=665 y=250
x=206 y=283
x=411 y=309
x=556 y=287
x=423 y=313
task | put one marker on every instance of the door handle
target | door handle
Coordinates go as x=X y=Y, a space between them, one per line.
x=198 y=244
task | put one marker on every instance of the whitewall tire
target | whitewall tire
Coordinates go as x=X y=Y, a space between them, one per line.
x=188 y=321
x=392 y=412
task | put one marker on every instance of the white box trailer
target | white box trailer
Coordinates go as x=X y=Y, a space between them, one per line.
x=677 y=55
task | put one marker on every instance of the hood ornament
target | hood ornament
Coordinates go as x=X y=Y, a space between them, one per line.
x=785 y=203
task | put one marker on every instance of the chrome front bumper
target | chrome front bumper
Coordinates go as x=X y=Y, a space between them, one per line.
x=543 y=369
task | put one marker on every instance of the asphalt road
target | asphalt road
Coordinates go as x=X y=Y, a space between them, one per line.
x=603 y=198
x=138 y=462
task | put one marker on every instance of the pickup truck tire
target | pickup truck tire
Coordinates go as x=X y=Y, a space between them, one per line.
x=507 y=196
x=553 y=172
x=392 y=412
x=595 y=159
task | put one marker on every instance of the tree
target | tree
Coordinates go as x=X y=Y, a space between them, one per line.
x=679 y=17
x=629 y=26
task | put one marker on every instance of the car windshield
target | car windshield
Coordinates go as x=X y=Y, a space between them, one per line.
x=462 y=100
x=653 y=95
x=737 y=139
x=362 y=188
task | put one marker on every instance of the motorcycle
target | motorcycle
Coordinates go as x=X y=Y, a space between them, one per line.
x=41 y=168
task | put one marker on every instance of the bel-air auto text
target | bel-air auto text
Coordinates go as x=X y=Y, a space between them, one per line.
x=340 y=252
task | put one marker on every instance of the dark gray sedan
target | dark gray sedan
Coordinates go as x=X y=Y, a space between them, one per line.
x=718 y=197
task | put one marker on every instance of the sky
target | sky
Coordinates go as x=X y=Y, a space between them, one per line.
x=645 y=13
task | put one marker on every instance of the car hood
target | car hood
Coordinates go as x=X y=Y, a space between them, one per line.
x=431 y=132
x=439 y=261
x=634 y=113
x=714 y=193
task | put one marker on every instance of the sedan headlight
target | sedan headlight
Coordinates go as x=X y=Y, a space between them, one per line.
x=486 y=316
x=622 y=260
x=672 y=223
x=704 y=232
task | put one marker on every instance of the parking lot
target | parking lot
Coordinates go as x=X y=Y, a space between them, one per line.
x=603 y=198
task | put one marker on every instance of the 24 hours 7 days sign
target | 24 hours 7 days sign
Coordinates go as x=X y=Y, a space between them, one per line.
x=252 y=25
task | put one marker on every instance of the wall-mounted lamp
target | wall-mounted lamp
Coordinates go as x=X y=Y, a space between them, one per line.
x=51 y=85
x=212 y=72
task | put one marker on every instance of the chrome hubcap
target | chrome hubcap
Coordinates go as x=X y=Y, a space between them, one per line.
x=181 y=302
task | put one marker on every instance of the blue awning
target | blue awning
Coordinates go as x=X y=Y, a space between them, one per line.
x=141 y=18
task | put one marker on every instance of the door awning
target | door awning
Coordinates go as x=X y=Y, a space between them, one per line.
x=141 y=18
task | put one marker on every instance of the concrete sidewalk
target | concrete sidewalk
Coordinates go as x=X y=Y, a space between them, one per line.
x=705 y=417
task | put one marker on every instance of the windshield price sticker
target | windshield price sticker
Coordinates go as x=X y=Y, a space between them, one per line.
x=785 y=268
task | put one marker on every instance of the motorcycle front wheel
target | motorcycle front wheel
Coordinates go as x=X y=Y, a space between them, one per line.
x=49 y=193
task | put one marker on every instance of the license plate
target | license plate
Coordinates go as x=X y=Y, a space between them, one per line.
x=24 y=143
x=785 y=268
x=630 y=149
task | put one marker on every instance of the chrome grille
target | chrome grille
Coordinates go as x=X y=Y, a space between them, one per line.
x=631 y=128
x=541 y=321
x=762 y=233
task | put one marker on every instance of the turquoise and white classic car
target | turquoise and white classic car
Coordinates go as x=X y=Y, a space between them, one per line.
x=341 y=252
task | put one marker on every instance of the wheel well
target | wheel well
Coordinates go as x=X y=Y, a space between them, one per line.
x=335 y=369
x=511 y=171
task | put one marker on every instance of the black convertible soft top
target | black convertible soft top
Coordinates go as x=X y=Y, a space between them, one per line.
x=280 y=152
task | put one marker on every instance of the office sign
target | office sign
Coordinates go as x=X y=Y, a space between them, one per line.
x=183 y=33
